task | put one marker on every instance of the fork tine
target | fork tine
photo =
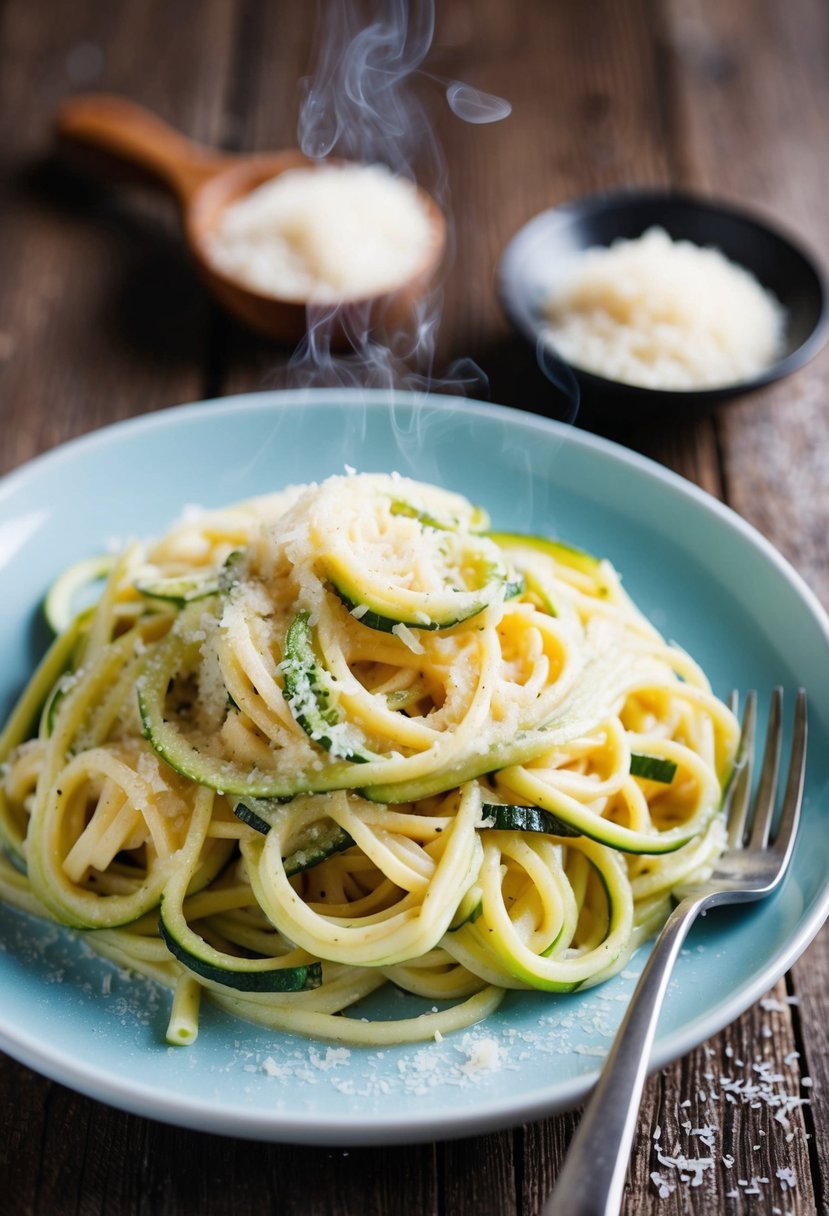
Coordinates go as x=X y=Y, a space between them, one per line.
x=793 y=797
x=765 y=799
x=739 y=790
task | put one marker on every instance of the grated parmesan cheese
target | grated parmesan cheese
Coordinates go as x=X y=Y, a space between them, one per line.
x=483 y=1055
x=759 y=1087
x=408 y=638
x=665 y=314
x=324 y=233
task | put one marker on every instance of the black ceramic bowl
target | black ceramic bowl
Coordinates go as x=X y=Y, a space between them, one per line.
x=541 y=253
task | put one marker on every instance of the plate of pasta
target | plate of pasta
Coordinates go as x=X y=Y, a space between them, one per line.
x=352 y=752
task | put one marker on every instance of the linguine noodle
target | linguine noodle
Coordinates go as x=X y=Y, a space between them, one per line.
x=347 y=735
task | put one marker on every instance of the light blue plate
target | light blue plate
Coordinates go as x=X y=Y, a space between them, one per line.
x=702 y=575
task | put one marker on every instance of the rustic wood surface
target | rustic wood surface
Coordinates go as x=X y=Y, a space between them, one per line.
x=101 y=319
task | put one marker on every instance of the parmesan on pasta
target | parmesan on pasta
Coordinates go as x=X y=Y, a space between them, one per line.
x=349 y=735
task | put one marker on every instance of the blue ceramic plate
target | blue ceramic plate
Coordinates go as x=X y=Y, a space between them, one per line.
x=702 y=575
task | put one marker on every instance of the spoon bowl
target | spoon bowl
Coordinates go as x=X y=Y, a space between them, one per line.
x=119 y=136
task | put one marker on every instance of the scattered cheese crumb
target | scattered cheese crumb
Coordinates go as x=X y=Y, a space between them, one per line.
x=786 y=1178
x=408 y=638
x=481 y=1054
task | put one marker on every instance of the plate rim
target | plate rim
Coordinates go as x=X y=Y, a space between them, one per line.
x=491 y=1112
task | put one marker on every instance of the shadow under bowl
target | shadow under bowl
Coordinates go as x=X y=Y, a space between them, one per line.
x=541 y=255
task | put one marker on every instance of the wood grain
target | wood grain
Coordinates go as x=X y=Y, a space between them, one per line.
x=809 y=984
x=723 y=1086
x=101 y=318
x=774 y=445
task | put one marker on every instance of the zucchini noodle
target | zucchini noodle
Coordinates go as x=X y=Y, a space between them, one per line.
x=344 y=736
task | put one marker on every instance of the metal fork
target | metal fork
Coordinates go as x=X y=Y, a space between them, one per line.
x=752 y=866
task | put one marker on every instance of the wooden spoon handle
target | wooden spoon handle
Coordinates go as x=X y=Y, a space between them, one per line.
x=128 y=135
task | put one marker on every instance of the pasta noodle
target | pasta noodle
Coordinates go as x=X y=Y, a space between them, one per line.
x=347 y=735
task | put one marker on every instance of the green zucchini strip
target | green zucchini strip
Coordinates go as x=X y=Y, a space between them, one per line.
x=180 y=590
x=512 y=817
x=177 y=654
x=269 y=974
x=523 y=782
x=491 y=945
x=69 y=594
x=382 y=604
x=653 y=768
x=219 y=967
x=184 y=589
x=518 y=544
x=309 y=695
x=315 y=844
x=52 y=666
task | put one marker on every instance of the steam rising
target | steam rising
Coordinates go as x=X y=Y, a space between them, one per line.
x=364 y=102
x=360 y=103
x=474 y=106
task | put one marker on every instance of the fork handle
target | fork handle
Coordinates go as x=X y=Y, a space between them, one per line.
x=592 y=1180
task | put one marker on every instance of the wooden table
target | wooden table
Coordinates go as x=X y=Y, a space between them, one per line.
x=101 y=319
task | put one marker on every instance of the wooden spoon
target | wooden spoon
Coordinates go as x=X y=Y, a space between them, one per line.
x=204 y=182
